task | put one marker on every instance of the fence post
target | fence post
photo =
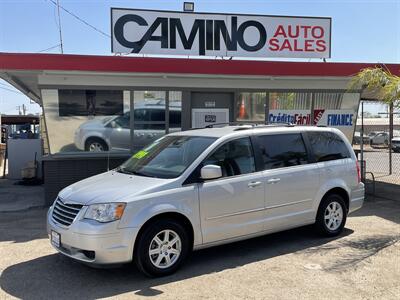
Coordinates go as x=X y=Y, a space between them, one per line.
x=390 y=138
x=362 y=140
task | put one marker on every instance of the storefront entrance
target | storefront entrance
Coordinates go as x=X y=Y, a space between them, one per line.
x=211 y=108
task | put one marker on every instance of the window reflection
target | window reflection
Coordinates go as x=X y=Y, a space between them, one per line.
x=251 y=107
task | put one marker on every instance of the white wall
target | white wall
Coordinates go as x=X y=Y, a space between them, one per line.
x=20 y=152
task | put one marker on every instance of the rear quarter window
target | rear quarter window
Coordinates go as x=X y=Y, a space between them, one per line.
x=327 y=146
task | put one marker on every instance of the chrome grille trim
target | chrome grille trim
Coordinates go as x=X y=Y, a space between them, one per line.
x=63 y=213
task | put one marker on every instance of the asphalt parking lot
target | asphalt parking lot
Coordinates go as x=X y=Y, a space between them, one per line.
x=363 y=263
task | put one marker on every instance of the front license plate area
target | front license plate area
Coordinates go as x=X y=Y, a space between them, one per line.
x=55 y=239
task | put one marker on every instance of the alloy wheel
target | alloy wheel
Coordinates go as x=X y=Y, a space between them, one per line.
x=96 y=147
x=333 y=216
x=165 y=249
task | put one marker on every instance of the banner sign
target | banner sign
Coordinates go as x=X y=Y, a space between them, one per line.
x=323 y=117
x=200 y=34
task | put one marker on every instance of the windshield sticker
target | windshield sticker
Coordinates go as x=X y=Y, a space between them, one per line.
x=140 y=154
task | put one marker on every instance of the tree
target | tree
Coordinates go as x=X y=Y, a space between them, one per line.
x=380 y=81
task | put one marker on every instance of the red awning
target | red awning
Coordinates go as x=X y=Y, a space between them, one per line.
x=67 y=62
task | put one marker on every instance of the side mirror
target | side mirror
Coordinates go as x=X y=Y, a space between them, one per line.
x=210 y=172
x=113 y=124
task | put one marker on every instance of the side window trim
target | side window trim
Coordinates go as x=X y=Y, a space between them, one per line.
x=307 y=144
x=255 y=143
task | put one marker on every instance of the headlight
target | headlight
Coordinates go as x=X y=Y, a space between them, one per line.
x=106 y=212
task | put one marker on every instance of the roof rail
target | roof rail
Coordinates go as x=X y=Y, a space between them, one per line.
x=229 y=123
x=252 y=125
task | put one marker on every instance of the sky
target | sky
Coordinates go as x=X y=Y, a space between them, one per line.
x=362 y=31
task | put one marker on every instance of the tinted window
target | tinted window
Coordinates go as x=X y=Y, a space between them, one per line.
x=123 y=121
x=157 y=115
x=90 y=102
x=284 y=150
x=141 y=115
x=235 y=158
x=149 y=126
x=327 y=146
x=174 y=118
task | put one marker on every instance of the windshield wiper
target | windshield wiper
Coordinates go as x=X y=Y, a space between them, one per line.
x=141 y=174
x=124 y=171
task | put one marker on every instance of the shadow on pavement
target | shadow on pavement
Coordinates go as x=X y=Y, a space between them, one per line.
x=23 y=226
x=57 y=277
x=380 y=207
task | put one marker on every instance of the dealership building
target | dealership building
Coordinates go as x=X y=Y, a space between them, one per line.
x=98 y=110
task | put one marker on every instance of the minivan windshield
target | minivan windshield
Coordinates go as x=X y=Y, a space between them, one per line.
x=167 y=157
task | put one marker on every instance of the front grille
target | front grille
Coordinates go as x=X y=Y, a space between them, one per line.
x=65 y=213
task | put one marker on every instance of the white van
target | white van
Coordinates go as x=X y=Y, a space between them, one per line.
x=205 y=187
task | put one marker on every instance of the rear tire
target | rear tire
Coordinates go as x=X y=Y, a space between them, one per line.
x=161 y=248
x=331 y=216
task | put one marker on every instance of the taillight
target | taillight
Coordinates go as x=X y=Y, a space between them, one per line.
x=358 y=171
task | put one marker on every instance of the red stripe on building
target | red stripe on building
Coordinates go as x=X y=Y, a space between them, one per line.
x=67 y=62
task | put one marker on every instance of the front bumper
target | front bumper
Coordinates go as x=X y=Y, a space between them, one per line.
x=78 y=140
x=93 y=243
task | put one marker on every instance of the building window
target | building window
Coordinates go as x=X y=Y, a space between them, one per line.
x=90 y=102
x=251 y=107
x=175 y=111
x=150 y=115
x=290 y=107
x=87 y=120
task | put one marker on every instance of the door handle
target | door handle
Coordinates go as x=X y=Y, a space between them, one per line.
x=254 y=184
x=273 y=180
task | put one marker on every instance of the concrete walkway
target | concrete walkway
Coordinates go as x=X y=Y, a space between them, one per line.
x=14 y=197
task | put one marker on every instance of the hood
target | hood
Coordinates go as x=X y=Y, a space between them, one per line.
x=111 y=187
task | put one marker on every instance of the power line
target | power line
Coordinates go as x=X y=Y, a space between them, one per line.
x=80 y=19
x=47 y=49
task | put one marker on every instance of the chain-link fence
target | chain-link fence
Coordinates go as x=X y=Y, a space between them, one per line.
x=377 y=140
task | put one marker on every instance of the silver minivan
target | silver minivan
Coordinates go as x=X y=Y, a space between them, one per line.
x=205 y=187
x=113 y=132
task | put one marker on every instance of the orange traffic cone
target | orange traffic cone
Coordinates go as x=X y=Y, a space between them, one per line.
x=242 y=110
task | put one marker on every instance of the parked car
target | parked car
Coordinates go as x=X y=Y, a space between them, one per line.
x=114 y=132
x=196 y=189
x=357 y=138
x=379 y=139
x=396 y=144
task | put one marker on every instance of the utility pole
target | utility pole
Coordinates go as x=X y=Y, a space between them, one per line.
x=59 y=27
x=24 y=109
x=19 y=109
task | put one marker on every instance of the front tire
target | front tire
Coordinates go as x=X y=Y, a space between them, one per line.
x=94 y=144
x=331 y=216
x=161 y=248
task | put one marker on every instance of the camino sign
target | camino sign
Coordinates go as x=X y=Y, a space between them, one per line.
x=206 y=34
